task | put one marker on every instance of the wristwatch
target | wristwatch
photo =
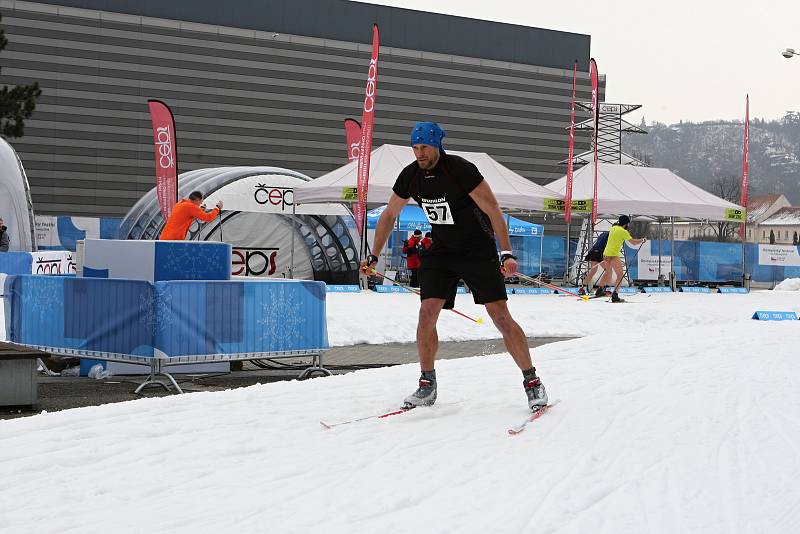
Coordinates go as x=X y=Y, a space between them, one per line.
x=372 y=258
x=506 y=255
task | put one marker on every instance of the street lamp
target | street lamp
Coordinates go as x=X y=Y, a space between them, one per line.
x=789 y=52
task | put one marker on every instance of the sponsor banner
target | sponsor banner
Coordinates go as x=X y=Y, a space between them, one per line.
x=775 y=316
x=628 y=290
x=390 y=289
x=53 y=262
x=578 y=206
x=367 y=123
x=532 y=291
x=461 y=289
x=783 y=255
x=695 y=289
x=46 y=232
x=166 y=156
x=570 y=289
x=733 y=290
x=349 y=193
x=596 y=116
x=745 y=160
x=658 y=289
x=352 y=130
x=254 y=262
x=571 y=148
x=509 y=291
x=733 y=214
x=647 y=263
x=338 y=288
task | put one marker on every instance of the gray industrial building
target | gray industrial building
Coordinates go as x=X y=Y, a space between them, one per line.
x=269 y=83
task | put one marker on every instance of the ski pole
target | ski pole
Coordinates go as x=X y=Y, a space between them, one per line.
x=479 y=320
x=550 y=286
x=220 y=226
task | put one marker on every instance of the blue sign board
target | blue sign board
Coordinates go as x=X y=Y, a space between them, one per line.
x=628 y=290
x=733 y=290
x=775 y=316
x=658 y=289
x=391 y=289
x=532 y=291
x=695 y=289
x=338 y=288
x=461 y=289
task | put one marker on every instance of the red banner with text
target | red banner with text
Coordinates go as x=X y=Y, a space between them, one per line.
x=165 y=154
x=596 y=116
x=571 y=149
x=367 y=122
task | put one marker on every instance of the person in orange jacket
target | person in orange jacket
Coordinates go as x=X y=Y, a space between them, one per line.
x=184 y=213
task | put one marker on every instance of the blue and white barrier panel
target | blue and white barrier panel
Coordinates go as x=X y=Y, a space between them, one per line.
x=461 y=290
x=658 y=289
x=532 y=291
x=570 y=289
x=695 y=289
x=391 y=289
x=733 y=290
x=775 y=316
x=339 y=288
x=629 y=290
x=133 y=320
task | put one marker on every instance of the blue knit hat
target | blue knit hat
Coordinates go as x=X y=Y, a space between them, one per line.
x=427 y=133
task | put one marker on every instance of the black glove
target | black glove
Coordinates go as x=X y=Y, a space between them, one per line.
x=505 y=257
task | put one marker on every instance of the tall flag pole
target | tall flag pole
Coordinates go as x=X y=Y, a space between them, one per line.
x=596 y=113
x=365 y=147
x=166 y=155
x=570 y=154
x=745 y=166
x=352 y=129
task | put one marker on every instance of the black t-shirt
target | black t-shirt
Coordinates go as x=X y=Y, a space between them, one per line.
x=458 y=226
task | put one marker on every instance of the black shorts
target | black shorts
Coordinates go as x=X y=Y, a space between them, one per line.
x=439 y=276
x=595 y=255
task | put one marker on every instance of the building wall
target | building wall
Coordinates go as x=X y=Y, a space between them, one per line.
x=251 y=97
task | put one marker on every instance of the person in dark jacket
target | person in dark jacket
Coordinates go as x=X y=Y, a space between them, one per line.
x=411 y=249
x=595 y=258
x=5 y=239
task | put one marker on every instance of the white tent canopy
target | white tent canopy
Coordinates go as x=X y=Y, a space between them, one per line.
x=511 y=190
x=16 y=208
x=625 y=189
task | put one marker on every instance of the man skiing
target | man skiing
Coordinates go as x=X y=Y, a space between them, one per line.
x=465 y=219
x=411 y=249
x=595 y=258
x=611 y=256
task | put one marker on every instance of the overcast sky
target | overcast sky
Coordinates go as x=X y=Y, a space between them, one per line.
x=680 y=59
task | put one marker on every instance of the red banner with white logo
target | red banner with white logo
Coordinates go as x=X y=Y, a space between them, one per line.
x=745 y=162
x=571 y=149
x=367 y=121
x=352 y=130
x=596 y=115
x=165 y=154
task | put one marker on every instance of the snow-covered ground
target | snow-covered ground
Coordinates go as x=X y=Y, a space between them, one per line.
x=678 y=413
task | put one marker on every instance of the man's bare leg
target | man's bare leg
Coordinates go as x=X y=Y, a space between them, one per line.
x=513 y=335
x=427 y=336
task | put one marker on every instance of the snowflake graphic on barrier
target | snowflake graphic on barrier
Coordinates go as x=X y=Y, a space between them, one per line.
x=184 y=259
x=281 y=317
x=44 y=297
x=155 y=309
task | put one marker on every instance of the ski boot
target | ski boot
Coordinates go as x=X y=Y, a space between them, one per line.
x=601 y=291
x=537 y=396
x=426 y=392
x=616 y=298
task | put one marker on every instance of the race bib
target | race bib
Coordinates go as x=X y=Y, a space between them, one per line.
x=438 y=213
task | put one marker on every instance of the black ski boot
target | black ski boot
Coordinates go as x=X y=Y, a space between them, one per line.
x=616 y=298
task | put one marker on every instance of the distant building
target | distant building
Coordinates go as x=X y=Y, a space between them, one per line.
x=764 y=213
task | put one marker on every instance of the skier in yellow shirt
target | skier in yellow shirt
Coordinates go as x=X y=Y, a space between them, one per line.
x=611 y=256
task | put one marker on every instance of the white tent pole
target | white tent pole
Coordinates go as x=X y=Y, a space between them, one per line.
x=293 y=229
x=672 y=276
